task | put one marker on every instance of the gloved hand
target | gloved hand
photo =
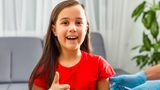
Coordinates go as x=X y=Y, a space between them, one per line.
x=149 y=85
x=130 y=81
x=118 y=87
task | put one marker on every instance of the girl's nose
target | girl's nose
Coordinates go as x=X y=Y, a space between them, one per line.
x=72 y=28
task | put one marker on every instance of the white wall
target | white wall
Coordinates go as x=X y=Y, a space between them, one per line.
x=112 y=18
x=122 y=34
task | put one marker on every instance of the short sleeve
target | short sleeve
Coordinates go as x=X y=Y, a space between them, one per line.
x=105 y=69
x=42 y=80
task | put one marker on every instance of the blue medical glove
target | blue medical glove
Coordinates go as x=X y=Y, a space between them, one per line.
x=130 y=81
x=149 y=85
x=115 y=86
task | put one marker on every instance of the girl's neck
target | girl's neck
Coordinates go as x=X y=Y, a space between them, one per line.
x=70 y=58
x=70 y=54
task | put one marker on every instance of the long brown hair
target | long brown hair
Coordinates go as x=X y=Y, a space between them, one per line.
x=51 y=50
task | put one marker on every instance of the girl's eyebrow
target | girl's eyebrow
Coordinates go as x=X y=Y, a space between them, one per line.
x=79 y=18
x=66 y=18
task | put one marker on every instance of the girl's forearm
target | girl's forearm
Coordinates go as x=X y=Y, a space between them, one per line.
x=153 y=73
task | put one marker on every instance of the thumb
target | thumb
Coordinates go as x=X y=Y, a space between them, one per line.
x=65 y=86
x=56 y=78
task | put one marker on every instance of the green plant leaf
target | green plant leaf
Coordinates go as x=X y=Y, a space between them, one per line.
x=141 y=60
x=148 y=18
x=146 y=42
x=155 y=58
x=154 y=28
x=156 y=7
x=138 y=11
x=138 y=58
x=156 y=46
x=136 y=47
x=144 y=63
x=151 y=41
x=142 y=49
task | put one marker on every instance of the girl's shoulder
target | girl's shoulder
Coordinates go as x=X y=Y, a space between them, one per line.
x=91 y=56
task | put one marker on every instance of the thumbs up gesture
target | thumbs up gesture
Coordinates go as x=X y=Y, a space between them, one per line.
x=56 y=86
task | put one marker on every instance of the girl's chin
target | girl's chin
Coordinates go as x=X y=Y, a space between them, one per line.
x=73 y=47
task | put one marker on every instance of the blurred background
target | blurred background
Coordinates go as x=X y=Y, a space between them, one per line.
x=111 y=18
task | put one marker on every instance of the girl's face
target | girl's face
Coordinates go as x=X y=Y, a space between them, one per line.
x=71 y=27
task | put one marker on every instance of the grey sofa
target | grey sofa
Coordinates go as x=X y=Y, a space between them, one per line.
x=98 y=48
x=18 y=56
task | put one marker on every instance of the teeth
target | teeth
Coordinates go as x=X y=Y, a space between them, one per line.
x=71 y=37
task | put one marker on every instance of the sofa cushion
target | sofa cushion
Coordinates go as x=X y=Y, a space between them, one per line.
x=18 y=86
x=5 y=64
x=25 y=53
x=4 y=86
x=25 y=56
x=98 y=44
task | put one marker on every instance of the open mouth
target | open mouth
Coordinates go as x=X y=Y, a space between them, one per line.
x=71 y=37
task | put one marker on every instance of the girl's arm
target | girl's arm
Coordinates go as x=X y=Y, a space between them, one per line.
x=103 y=85
x=152 y=73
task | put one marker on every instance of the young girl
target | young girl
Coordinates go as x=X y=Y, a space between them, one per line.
x=66 y=62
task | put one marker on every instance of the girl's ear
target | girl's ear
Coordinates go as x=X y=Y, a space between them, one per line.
x=54 y=30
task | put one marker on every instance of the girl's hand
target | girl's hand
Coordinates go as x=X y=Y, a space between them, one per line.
x=56 y=86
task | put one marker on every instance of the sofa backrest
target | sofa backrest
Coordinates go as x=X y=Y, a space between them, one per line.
x=5 y=62
x=98 y=48
x=98 y=44
x=18 y=57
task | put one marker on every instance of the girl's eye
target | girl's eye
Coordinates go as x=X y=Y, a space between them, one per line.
x=79 y=22
x=65 y=22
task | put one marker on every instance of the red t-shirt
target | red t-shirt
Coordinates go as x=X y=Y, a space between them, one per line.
x=82 y=76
